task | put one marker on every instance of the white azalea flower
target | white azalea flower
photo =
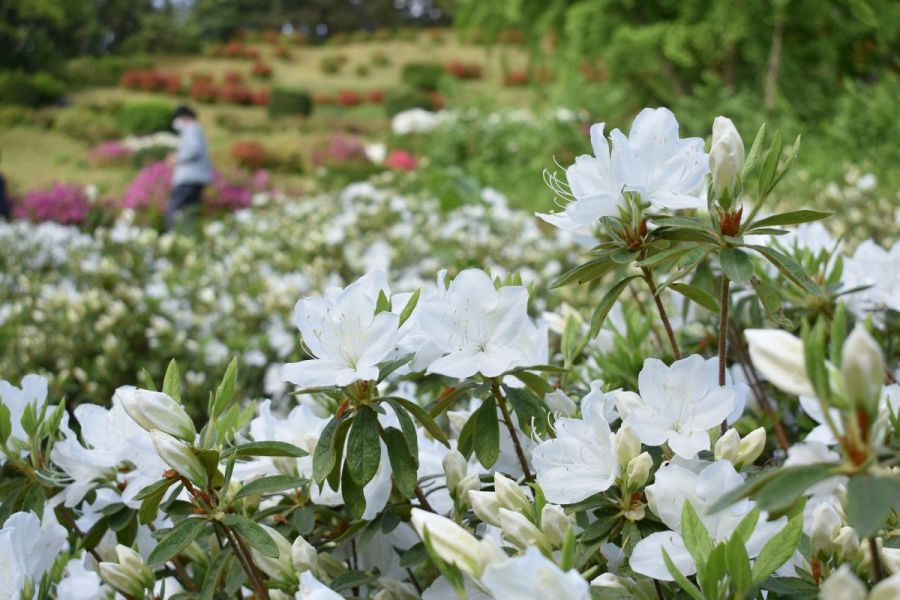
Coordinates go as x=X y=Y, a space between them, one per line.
x=679 y=404
x=79 y=583
x=33 y=392
x=313 y=589
x=478 y=328
x=580 y=461
x=533 y=576
x=28 y=548
x=871 y=265
x=676 y=484
x=346 y=337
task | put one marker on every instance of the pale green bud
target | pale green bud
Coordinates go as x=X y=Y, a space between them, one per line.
x=521 y=532
x=627 y=444
x=280 y=568
x=862 y=367
x=751 y=446
x=842 y=585
x=510 y=494
x=555 y=524
x=726 y=155
x=304 y=556
x=451 y=542
x=824 y=528
x=486 y=506
x=846 y=544
x=455 y=468
x=155 y=410
x=130 y=575
x=727 y=446
x=469 y=483
x=638 y=470
x=179 y=456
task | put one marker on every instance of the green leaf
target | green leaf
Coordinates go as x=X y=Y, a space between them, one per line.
x=736 y=264
x=172 y=381
x=486 y=433
x=606 y=304
x=589 y=271
x=382 y=303
x=225 y=391
x=778 y=550
x=153 y=488
x=176 y=540
x=415 y=555
x=410 y=307
x=870 y=501
x=667 y=255
x=211 y=580
x=424 y=419
x=268 y=449
x=788 y=267
x=5 y=424
x=696 y=538
x=838 y=334
x=150 y=502
x=755 y=149
x=354 y=499
x=325 y=457
x=680 y=579
x=529 y=408
x=788 y=162
x=793 y=217
x=777 y=488
x=770 y=166
x=363 y=446
x=698 y=295
x=353 y=579
x=623 y=256
x=268 y=485
x=408 y=428
x=738 y=565
x=771 y=300
x=747 y=525
x=402 y=464
x=258 y=538
x=535 y=382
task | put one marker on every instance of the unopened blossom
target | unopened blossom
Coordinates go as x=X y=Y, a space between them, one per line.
x=862 y=367
x=779 y=356
x=679 y=404
x=179 y=456
x=580 y=461
x=452 y=543
x=155 y=410
x=344 y=335
x=843 y=584
x=726 y=155
x=532 y=576
x=673 y=486
x=477 y=327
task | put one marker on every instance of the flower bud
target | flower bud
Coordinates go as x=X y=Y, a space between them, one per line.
x=555 y=524
x=727 y=446
x=179 y=456
x=842 y=585
x=726 y=156
x=304 y=556
x=280 y=568
x=638 y=470
x=887 y=589
x=448 y=540
x=560 y=403
x=155 y=410
x=130 y=576
x=862 y=366
x=471 y=482
x=780 y=357
x=510 y=495
x=521 y=532
x=846 y=544
x=751 y=446
x=454 y=468
x=824 y=528
x=627 y=444
x=486 y=506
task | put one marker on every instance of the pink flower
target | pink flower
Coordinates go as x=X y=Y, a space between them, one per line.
x=401 y=160
x=109 y=153
x=62 y=203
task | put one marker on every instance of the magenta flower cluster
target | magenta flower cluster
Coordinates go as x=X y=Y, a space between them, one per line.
x=109 y=153
x=339 y=149
x=149 y=189
x=62 y=203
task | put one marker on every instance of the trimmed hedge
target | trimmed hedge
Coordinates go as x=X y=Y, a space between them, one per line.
x=22 y=89
x=139 y=118
x=287 y=102
x=397 y=101
x=423 y=75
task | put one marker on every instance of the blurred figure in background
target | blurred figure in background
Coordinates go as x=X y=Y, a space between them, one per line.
x=4 y=201
x=192 y=166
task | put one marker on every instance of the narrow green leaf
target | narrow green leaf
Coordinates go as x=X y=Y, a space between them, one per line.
x=696 y=538
x=737 y=563
x=771 y=301
x=589 y=271
x=755 y=149
x=176 y=540
x=153 y=488
x=680 y=579
x=770 y=166
x=777 y=487
x=788 y=267
x=382 y=303
x=324 y=457
x=606 y=304
x=402 y=464
x=354 y=499
x=268 y=449
x=777 y=550
x=793 y=217
x=747 y=525
x=410 y=307
x=363 y=446
x=486 y=433
x=424 y=419
x=172 y=381
x=736 y=264
x=225 y=391
x=269 y=485
x=788 y=162
x=5 y=424
x=408 y=428
x=698 y=295
x=258 y=538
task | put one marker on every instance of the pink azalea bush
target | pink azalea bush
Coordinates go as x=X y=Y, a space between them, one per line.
x=109 y=153
x=401 y=160
x=63 y=203
x=339 y=149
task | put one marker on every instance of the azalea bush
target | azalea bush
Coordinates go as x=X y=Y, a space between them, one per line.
x=676 y=390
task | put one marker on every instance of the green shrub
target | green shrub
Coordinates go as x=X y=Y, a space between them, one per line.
x=140 y=118
x=83 y=123
x=91 y=71
x=150 y=155
x=286 y=102
x=404 y=99
x=22 y=89
x=423 y=75
x=14 y=116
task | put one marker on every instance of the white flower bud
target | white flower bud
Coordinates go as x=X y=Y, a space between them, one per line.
x=824 y=528
x=471 y=482
x=560 y=403
x=779 y=356
x=280 y=568
x=638 y=470
x=130 y=576
x=862 y=366
x=521 y=532
x=155 y=410
x=486 y=506
x=726 y=155
x=842 y=585
x=887 y=589
x=134 y=563
x=179 y=456
x=455 y=468
x=727 y=446
x=555 y=523
x=751 y=446
x=304 y=556
x=451 y=542
x=627 y=444
x=846 y=543
x=510 y=494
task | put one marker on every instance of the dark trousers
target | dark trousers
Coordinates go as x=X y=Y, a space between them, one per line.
x=183 y=196
x=4 y=203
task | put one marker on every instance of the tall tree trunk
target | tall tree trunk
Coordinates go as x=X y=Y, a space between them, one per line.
x=774 y=66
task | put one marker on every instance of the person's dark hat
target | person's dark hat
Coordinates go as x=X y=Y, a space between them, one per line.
x=184 y=111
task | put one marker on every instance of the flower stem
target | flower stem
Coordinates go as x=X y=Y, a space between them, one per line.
x=663 y=315
x=877 y=567
x=723 y=334
x=501 y=401
x=243 y=557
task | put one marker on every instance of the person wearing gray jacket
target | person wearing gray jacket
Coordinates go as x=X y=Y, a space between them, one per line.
x=193 y=170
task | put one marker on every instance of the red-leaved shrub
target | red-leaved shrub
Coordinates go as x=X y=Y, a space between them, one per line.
x=249 y=154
